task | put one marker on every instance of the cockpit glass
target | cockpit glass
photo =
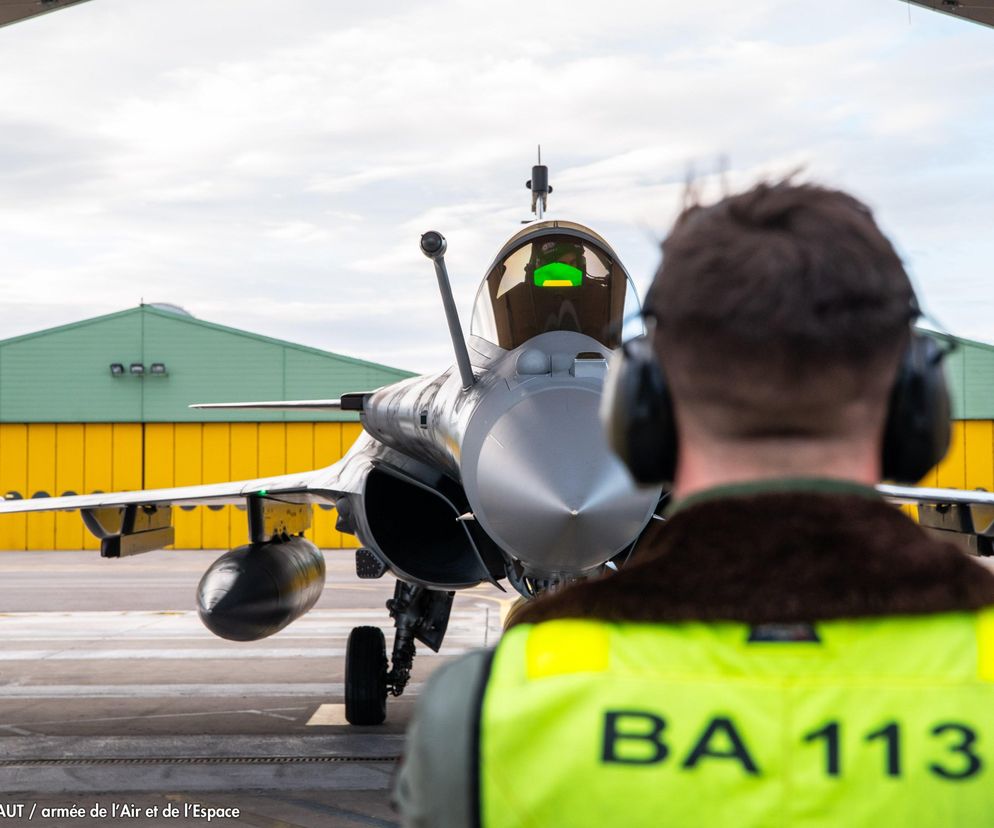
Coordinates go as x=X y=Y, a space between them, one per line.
x=553 y=283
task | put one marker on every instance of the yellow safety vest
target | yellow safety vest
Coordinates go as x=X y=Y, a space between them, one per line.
x=882 y=722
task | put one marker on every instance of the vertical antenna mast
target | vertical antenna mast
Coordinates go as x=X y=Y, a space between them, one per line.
x=433 y=246
x=539 y=185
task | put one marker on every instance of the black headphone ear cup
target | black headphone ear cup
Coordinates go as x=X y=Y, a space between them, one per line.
x=916 y=435
x=638 y=413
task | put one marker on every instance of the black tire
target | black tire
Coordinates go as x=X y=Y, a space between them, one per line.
x=366 y=677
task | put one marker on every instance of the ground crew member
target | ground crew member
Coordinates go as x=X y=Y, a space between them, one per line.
x=786 y=649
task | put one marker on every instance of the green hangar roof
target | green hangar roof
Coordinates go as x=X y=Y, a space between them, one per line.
x=970 y=371
x=82 y=372
x=64 y=374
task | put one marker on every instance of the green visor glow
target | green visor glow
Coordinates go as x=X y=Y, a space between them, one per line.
x=558 y=274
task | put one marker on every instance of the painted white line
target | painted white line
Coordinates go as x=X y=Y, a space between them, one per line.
x=193 y=779
x=130 y=691
x=472 y=628
x=232 y=653
x=20 y=731
x=327 y=715
x=206 y=639
x=146 y=691
x=144 y=716
x=319 y=614
x=308 y=745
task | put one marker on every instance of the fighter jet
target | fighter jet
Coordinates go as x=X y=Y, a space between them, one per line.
x=496 y=469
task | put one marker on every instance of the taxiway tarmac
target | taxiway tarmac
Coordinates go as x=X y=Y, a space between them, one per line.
x=111 y=692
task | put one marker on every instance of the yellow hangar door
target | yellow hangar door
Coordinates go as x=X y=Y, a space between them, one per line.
x=52 y=459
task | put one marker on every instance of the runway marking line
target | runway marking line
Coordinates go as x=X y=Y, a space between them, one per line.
x=333 y=715
x=143 y=716
x=158 y=691
x=328 y=715
x=18 y=731
x=194 y=654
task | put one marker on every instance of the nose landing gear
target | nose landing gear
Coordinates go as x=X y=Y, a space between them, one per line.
x=419 y=614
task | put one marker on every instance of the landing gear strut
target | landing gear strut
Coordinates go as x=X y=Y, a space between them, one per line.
x=418 y=613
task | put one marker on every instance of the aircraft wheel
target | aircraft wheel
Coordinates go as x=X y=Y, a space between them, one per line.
x=366 y=677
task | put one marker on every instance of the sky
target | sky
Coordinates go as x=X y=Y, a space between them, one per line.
x=271 y=164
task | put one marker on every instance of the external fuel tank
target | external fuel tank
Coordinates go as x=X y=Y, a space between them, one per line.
x=255 y=590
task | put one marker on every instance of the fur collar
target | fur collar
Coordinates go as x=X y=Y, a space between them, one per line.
x=778 y=557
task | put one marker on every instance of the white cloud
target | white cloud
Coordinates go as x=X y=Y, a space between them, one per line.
x=271 y=166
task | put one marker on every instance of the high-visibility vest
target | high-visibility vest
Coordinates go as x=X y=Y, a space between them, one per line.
x=883 y=722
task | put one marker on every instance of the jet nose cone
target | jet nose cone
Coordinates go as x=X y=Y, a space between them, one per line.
x=546 y=487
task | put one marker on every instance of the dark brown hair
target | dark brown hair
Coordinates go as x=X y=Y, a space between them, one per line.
x=778 y=302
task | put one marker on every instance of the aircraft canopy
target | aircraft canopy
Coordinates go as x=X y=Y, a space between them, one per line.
x=551 y=281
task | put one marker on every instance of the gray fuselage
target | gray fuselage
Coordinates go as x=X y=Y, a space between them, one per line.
x=502 y=467
x=525 y=444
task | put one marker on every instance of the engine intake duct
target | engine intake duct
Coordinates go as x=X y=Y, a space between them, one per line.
x=416 y=528
x=255 y=590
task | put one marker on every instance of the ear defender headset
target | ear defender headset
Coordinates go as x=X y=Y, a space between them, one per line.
x=637 y=411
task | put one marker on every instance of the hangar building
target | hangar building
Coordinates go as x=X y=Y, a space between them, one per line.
x=101 y=405
x=969 y=463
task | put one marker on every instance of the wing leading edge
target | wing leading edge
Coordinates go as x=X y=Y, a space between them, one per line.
x=348 y=402
x=278 y=405
x=966 y=513
x=921 y=495
x=306 y=487
x=129 y=523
